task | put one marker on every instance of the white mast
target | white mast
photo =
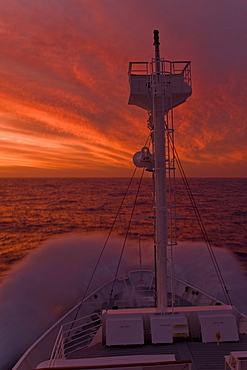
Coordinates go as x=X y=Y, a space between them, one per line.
x=158 y=112
x=159 y=87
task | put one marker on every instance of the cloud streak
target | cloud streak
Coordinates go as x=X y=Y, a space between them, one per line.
x=64 y=85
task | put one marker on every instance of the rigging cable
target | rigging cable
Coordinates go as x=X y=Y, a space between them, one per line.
x=201 y=224
x=109 y=234
x=126 y=236
x=101 y=253
x=112 y=227
x=107 y=238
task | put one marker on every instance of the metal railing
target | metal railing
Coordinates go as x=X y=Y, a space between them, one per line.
x=139 y=68
x=166 y=67
x=73 y=336
x=183 y=68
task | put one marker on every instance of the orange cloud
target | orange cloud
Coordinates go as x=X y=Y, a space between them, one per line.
x=64 y=83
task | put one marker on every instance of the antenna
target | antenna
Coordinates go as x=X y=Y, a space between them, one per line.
x=157 y=50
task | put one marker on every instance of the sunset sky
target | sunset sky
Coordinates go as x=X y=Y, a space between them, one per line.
x=64 y=84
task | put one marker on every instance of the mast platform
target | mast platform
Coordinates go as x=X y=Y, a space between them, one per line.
x=173 y=83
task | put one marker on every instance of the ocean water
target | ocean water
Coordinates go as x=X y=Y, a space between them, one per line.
x=52 y=232
x=35 y=210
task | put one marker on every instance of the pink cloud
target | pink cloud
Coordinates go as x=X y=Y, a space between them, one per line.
x=64 y=83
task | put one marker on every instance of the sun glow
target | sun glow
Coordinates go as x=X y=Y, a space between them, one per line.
x=64 y=87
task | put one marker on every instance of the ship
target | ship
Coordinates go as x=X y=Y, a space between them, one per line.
x=149 y=319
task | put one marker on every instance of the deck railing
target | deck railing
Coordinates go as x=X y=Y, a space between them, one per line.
x=73 y=336
x=166 y=68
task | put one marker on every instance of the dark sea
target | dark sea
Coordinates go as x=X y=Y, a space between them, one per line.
x=53 y=230
x=33 y=210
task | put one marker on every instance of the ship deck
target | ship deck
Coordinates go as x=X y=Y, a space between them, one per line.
x=204 y=356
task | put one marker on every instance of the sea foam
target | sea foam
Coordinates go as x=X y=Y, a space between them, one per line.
x=48 y=281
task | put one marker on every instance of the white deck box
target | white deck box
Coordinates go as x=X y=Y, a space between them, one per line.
x=218 y=327
x=165 y=327
x=124 y=331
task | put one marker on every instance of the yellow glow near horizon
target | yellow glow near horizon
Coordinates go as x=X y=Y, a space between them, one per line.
x=64 y=86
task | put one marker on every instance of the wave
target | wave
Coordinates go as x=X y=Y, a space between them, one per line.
x=51 y=279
